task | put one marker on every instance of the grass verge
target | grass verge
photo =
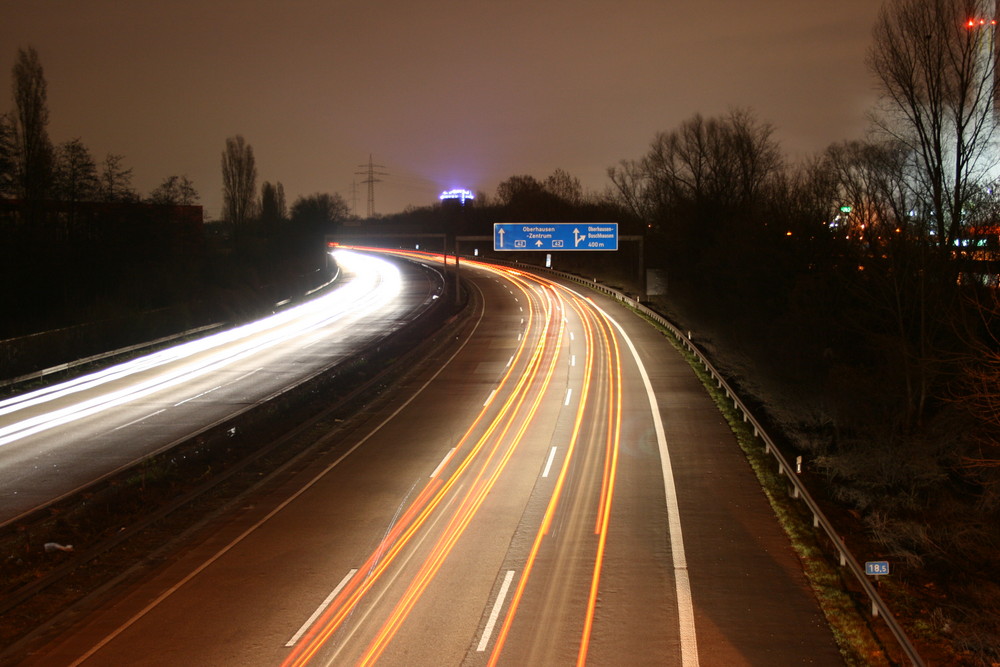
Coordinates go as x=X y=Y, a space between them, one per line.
x=856 y=638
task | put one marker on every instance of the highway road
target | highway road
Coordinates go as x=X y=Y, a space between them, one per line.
x=56 y=440
x=553 y=488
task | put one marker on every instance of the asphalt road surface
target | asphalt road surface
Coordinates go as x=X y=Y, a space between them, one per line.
x=554 y=488
x=56 y=440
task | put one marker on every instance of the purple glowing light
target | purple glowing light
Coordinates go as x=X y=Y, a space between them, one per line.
x=459 y=193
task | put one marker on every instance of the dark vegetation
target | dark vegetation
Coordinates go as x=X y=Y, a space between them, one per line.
x=132 y=272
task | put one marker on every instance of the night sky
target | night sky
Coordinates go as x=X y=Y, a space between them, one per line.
x=442 y=94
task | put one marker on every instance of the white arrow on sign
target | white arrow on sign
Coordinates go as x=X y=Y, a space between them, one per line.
x=538 y=244
x=500 y=233
x=578 y=237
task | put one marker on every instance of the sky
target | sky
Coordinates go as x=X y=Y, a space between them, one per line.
x=439 y=94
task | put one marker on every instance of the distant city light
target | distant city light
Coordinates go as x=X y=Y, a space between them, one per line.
x=458 y=193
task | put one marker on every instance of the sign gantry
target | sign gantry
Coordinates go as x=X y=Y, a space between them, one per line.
x=546 y=236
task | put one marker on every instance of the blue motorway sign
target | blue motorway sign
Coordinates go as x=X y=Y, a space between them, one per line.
x=874 y=567
x=547 y=236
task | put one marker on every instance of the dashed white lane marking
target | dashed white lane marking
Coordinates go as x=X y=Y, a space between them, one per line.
x=495 y=613
x=140 y=419
x=548 y=464
x=320 y=609
x=443 y=461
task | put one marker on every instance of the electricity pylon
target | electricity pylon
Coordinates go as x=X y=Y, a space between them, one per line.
x=370 y=179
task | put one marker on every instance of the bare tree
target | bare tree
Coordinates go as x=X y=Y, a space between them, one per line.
x=115 y=182
x=910 y=303
x=8 y=156
x=688 y=164
x=517 y=187
x=273 y=209
x=936 y=66
x=701 y=176
x=874 y=191
x=980 y=393
x=727 y=160
x=175 y=191
x=630 y=184
x=755 y=155
x=75 y=174
x=239 y=182
x=564 y=186
x=34 y=150
x=977 y=393
x=320 y=210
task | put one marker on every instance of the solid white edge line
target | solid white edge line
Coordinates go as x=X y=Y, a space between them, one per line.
x=685 y=606
x=495 y=612
x=320 y=609
x=548 y=464
x=443 y=461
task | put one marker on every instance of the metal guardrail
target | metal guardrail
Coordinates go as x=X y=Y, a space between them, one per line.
x=37 y=375
x=799 y=491
x=230 y=421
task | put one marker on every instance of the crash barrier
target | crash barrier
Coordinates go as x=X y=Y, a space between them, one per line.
x=42 y=339
x=798 y=489
x=38 y=375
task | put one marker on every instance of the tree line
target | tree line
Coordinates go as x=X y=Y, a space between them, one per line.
x=263 y=213
x=79 y=243
x=34 y=169
x=863 y=284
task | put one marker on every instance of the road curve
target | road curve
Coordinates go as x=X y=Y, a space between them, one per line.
x=556 y=488
x=58 y=439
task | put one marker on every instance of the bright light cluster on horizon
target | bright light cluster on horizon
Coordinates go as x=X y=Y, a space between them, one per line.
x=458 y=193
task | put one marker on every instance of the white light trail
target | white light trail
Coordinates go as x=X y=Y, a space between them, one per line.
x=375 y=284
